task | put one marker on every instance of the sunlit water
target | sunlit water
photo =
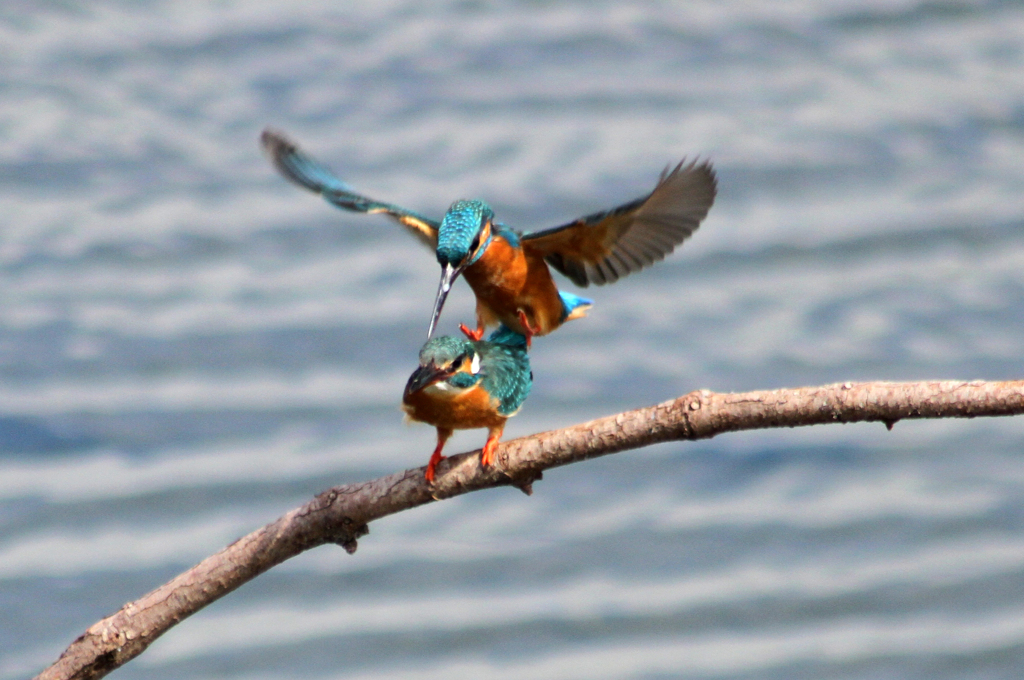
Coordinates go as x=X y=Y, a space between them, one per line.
x=190 y=346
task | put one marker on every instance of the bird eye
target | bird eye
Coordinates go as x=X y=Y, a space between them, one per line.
x=474 y=244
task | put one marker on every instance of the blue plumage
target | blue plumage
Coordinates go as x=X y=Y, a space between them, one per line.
x=459 y=233
x=573 y=306
x=504 y=365
x=514 y=285
x=464 y=384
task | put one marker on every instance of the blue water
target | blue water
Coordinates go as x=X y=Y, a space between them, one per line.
x=190 y=346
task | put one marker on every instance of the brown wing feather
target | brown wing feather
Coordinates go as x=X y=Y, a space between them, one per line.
x=604 y=247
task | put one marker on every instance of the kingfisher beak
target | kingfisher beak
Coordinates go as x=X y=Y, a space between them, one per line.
x=425 y=376
x=448 y=276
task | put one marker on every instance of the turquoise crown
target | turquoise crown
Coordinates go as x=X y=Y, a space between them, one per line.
x=460 y=225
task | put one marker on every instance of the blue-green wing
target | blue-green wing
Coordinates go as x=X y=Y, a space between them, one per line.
x=603 y=247
x=505 y=367
x=317 y=177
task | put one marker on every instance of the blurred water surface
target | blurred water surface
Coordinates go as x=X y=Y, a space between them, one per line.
x=190 y=346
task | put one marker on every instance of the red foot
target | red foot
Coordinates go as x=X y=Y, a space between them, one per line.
x=487 y=454
x=435 y=458
x=530 y=330
x=472 y=335
x=431 y=466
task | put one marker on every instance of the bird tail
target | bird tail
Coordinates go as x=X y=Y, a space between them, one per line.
x=574 y=306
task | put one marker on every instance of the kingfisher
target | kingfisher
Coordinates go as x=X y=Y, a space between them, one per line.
x=509 y=270
x=464 y=384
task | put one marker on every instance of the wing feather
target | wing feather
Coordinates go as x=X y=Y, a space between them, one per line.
x=317 y=177
x=605 y=246
x=619 y=263
x=629 y=254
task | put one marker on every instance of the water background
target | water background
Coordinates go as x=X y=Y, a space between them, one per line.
x=190 y=346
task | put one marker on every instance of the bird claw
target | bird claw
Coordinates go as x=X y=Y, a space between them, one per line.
x=529 y=331
x=431 y=467
x=435 y=458
x=487 y=453
x=472 y=335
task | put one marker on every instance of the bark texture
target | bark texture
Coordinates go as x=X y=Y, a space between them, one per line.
x=341 y=515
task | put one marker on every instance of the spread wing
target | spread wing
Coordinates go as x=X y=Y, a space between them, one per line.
x=317 y=177
x=603 y=247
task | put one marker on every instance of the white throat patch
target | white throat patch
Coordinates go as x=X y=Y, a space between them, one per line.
x=474 y=366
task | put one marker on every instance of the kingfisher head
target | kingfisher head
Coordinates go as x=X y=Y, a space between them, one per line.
x=462 y=238
x=461 y=232
x=449 y=362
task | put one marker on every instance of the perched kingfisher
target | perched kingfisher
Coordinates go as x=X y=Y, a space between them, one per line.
x=508 y=270
x=463 y=384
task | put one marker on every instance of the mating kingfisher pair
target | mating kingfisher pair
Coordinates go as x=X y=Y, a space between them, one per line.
x=465 y=383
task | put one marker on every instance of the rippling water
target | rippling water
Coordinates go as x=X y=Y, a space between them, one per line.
x=190 y=346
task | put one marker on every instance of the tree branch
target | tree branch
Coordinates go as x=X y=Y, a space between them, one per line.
x=341 y=514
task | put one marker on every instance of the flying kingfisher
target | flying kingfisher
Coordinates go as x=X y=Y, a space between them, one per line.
x=463 y=384
x=508 y=270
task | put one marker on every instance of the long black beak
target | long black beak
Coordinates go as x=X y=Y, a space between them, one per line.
x=423 y=376
x=448 y=276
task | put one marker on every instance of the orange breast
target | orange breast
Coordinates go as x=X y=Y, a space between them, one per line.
x=507 y=279
x=462 y=410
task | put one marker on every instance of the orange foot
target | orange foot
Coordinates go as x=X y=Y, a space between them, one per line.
x=435 y=458
x=530 y=331
x=487 y=453
x=472 y=335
